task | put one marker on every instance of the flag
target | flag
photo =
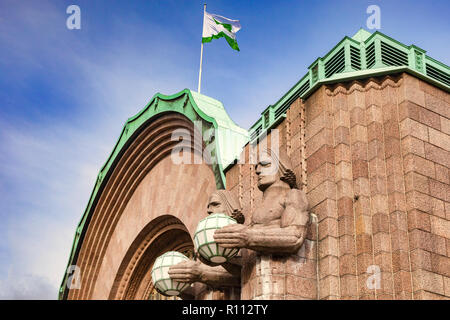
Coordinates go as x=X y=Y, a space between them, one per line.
x=215 y=27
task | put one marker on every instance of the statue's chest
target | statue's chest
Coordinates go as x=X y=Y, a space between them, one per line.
x=267 y=211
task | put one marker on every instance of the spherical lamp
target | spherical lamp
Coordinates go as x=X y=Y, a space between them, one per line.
x=204 y=238
x=160 y=275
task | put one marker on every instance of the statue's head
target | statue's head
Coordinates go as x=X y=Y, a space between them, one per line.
x=274 y=166
x=223 y=201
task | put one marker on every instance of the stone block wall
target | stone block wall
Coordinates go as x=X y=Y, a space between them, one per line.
x=373 y=158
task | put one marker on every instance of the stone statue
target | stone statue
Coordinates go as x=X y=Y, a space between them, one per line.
x=225 y=275
x=279 y=223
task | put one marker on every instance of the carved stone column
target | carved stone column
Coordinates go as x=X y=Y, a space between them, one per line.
x=268 y=276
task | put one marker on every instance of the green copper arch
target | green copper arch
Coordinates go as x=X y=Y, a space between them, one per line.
x=225 y=147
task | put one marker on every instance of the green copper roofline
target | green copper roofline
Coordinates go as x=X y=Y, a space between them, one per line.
x=363 y=55
x=192 y=105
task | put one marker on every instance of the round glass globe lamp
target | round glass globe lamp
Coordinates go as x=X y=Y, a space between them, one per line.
x=204 y=238
x=160 y=275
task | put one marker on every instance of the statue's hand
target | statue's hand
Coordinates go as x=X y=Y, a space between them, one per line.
x=186 y=271
x=232 y=236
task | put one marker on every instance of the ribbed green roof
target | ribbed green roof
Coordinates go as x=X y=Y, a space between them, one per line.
x=362 y=35
x=363 y=55
x=231 y=137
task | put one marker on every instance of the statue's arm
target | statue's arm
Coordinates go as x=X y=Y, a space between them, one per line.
x=195 y=271
x=219 y=277
x=287 y=237
x=277 y=240
x=295 y=219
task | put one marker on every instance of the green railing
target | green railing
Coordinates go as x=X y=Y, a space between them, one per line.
x=361 y=56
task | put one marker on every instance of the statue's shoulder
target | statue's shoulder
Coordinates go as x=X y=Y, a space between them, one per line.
x=296 y=212
x=297 y=198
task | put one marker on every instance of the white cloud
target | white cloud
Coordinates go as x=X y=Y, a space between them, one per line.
x=26 y=287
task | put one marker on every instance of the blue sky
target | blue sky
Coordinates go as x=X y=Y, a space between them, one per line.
x=65 y=94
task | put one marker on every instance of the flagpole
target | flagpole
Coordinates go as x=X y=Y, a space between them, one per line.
x=201 y=54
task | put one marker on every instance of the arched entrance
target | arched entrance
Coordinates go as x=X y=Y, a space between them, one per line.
x=140 y=182
x=145 y=185
x=133 y=280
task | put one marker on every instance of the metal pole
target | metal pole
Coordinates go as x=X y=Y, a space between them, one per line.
x=201 y=55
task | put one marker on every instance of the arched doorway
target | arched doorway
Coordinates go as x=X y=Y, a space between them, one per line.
x=139 y=183
x=145 y=185
x=133 y=280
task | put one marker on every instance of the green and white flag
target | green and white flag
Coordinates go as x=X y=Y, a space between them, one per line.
x=215 y=27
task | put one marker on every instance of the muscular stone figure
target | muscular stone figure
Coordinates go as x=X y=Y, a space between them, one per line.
x=279 y=222
x=226 y=275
